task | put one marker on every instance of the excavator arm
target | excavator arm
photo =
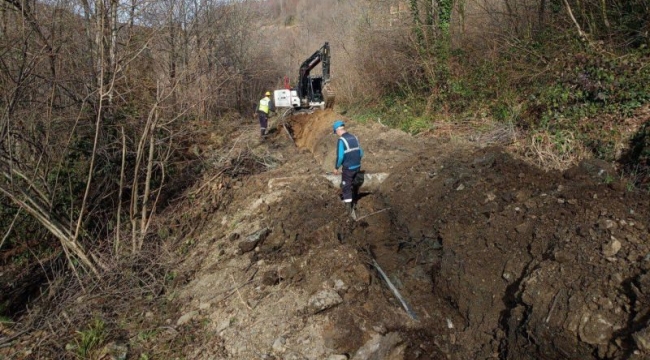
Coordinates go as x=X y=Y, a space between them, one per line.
x=305 y=86
x=321 y=55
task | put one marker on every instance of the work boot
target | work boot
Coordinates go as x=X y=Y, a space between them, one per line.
x=351 y=211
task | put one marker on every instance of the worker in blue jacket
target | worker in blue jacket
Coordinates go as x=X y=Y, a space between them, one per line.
x=348 y=158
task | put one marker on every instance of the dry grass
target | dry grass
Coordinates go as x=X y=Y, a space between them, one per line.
x=551 y=151
x=79 y=319
x=483 y=132
x=542 y=149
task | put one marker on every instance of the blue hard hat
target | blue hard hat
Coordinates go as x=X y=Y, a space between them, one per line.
x=337 y=124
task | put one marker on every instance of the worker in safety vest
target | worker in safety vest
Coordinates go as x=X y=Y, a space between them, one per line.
x=266 y=105
x=348 y=158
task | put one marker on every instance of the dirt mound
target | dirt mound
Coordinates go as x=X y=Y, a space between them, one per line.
x=533 y=264
x=487 y=256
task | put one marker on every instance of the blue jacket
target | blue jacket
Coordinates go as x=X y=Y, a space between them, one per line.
x=348 y=152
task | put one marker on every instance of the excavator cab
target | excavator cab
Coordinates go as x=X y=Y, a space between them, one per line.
x=316 y=90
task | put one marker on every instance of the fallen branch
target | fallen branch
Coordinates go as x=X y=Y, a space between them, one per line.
x=289 y=133
x=581 y=33
x=4 y=342
x=209 y=181
x=283 y=122
x=376 y=212
x=11 y=227
x=241 y=298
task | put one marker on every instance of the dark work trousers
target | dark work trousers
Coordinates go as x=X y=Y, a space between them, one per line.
x=264 y=120
x=347 y=180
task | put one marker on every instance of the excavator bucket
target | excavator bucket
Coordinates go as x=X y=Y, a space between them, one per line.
x=329 y=96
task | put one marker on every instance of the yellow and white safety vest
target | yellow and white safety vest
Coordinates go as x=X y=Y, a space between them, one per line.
x=264 y=105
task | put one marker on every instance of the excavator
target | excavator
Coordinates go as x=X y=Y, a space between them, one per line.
x=312 y=91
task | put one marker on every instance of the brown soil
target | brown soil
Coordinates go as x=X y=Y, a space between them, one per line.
x=494 y=258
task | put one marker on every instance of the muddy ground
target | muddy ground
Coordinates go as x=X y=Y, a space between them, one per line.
x=493 y=258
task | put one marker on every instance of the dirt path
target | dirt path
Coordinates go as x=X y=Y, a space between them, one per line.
x=493 y=258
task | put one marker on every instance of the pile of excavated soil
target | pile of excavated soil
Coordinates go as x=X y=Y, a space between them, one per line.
x=487 y=256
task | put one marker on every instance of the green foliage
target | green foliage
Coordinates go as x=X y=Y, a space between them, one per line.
x=145 y=335
x=21 y=259
x=460 y=95
x=170 y=276
x=594 y=85
x=369 y=114
x=562 y=141
x=581 y=92
x=417 y=26
x=592 y=89
x=501 y=111
x=163 y=233
x=89 y=340
x=403 y=112
x=445 y=8
x=415 y=125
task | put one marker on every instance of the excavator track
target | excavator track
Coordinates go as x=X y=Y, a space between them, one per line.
x=329 y=96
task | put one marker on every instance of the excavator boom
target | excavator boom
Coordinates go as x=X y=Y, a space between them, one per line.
x=321 y=55
x=311 y=91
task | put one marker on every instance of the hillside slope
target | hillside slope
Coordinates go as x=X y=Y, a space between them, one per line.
x=494 y=258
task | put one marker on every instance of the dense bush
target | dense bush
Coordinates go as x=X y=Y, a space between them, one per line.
x=545 y=72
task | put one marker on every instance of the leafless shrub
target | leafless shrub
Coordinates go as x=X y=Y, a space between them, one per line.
x=500 y=134
x=91 y=92
x=54 y=322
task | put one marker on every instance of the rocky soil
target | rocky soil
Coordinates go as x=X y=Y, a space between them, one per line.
x=459 y=251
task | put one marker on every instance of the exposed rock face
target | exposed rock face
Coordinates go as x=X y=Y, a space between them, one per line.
x=253 y=240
